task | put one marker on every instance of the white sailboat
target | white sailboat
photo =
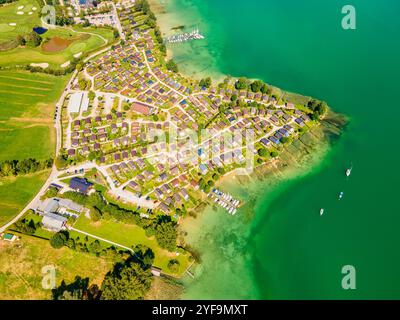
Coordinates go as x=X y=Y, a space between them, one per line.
x=348 y=172
x=321 y=211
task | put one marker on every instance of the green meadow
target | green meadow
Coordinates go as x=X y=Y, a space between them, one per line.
x=23 y=22
x=27 y=103
x=81 y=40
x=16 y=192
x=21 y=266
x=131 y=235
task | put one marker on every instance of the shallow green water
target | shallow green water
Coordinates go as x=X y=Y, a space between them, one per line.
x=286 y=250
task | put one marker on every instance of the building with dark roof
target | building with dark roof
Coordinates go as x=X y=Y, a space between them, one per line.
x=81 y=185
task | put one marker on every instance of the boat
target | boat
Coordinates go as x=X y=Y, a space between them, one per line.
x=348 y=172
x=341 y=195
x=321 y=212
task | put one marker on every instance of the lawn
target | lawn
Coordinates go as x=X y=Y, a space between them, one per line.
x=82 y=40
x=21 y=266
x=16 y=192
x=26 y=114
x=131 y=235
x=24 y=23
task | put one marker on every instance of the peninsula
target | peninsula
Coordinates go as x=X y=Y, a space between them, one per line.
x=139 y=146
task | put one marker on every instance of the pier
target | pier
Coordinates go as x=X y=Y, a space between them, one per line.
x=225 y=200
x=187 y=36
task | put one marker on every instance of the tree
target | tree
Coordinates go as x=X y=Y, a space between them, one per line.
x=265 y=89
x=33 y=39
x=262 y=152
x=241 y=84
x=95 y=214
x=77 y=290
x=166 y=234
x=172 y=66
x=126 y=282
x=58 y=240
x=205 y=83
x=256 y=86
x=274 y=154
x=173 y=265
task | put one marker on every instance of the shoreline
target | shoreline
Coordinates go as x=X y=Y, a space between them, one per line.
x=259 y=188
x=267 y=177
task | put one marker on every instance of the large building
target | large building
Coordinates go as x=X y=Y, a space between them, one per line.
x=78 y=101
x=60 y=206
x=54 y=222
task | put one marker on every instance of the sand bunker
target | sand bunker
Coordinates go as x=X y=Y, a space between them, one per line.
x=65 y=64
x=20 y=12
x=20 y=7
x=43 y=65
x=77 y=55
x=12 y=24
x=56 y=44
x=30 y=12
x=34 y=8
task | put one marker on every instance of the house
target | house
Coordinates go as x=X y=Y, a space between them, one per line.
x=273 y=139
x=142 y=108
x=134 y=186
x=265 y=142
x=203 y=168
x=60 y=206
x=184 y=194
x=158 y=193
x=81 y=185
x=54 y=222
x=155 y=271
x=71 y=152
x=164 y=208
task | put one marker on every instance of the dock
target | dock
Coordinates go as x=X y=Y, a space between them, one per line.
x=187 y=36
x=225 y=200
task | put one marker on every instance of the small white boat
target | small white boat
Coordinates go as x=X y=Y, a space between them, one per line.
x=341 y=194
x=348 y=172
x=321 y=211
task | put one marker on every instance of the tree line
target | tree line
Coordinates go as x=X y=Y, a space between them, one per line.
x=24 y=166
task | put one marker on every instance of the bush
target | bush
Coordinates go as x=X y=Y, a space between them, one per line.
x=173 y=265
x=58 y=240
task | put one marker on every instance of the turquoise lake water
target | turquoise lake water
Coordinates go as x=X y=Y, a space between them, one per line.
x=286 y=250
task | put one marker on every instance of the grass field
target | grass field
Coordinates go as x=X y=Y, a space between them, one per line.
x=26 y=114
x=26 y=131
x=24 y=23
x=83 y=40
x=16 y=192
x=130 y=236
x=21 y=267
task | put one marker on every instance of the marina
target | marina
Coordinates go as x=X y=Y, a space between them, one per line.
x=225 y=200
x=187 y=36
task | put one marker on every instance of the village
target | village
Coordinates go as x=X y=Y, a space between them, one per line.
x=140 y=146
x=135 y=122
